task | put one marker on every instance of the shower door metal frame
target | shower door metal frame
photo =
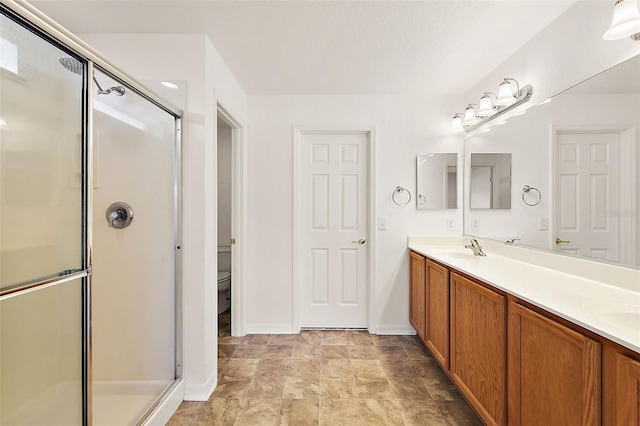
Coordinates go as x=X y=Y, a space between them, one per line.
x=37 y=22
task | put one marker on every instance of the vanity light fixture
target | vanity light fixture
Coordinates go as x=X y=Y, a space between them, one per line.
x=625 y=22
x=506 y=95
x=470 y=117
x=486 y=105
x=489 y=109
x=456 y=122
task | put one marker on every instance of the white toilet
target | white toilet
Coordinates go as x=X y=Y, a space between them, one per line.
x=224 y=291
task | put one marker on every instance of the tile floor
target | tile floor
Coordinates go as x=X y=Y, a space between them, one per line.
x=337 y=377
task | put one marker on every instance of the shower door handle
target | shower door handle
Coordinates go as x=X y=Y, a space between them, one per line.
x=119 y=215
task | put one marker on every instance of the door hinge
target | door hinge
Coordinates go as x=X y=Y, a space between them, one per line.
x=233 y=241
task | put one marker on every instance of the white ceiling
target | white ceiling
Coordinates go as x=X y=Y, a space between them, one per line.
x=334 y=47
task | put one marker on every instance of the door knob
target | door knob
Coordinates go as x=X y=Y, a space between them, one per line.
x=559 y=241
x=360 y=241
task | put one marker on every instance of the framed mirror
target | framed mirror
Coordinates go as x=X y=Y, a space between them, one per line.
x=490 y=181
x=579 y=158
x=437 y=181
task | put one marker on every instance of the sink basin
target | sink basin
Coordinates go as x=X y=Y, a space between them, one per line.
x=625 y=316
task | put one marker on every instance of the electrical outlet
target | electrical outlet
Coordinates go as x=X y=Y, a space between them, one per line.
x=543 y=223
x=451 y=224
x=474 y=224
x=382 y=223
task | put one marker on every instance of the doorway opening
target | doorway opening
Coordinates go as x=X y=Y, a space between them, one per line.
x=230 y=222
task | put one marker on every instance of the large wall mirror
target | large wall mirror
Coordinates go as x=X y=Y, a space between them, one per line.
x=437 y=181
x=575 y=171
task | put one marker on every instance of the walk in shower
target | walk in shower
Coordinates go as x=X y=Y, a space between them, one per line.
x=90 y=233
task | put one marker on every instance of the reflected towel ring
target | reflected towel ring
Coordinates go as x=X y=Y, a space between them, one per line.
x=422 y=200
x=528 y=188
x=398 y=190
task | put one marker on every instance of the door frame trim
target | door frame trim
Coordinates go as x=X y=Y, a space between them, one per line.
x=627 y=200
x=370 y=131
x=238 y=217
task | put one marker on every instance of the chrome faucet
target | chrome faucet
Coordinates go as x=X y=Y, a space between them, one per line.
x=475 y=247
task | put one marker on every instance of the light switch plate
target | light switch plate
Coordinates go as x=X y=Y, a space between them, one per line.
x=382 y=223
x=451 y=224
x=474 y=224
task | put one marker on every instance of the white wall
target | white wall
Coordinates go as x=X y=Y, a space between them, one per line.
x=405 y=126
x=191 y=58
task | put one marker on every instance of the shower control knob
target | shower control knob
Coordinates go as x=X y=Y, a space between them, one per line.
x=119 y=215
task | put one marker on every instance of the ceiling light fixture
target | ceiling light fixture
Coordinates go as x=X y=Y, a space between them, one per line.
x=625 y=22
x=169 y=85
x=489 y=109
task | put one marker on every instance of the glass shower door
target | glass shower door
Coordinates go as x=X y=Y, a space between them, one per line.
x=134 y=273
x=42 y=267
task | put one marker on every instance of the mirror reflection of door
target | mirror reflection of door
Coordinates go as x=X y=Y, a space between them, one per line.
x=451 y=188
x=437 y=181
x=587 y=194
x=490 y=181
x=481 y=187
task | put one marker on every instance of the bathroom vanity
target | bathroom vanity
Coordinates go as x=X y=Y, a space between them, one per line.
x=530 y=337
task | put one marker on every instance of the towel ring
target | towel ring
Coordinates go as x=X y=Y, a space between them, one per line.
x=398 y=190
x=528 y=188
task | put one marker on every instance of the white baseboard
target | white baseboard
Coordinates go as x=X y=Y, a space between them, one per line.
x=269 y=329
x=201 y=392
x=399 y=329
x=169 y=406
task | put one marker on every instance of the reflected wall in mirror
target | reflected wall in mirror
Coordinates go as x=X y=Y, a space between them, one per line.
x=437 y=181
x=581 y=152
x=490 y=181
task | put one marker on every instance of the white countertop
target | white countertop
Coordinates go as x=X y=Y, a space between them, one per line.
x=609 y=308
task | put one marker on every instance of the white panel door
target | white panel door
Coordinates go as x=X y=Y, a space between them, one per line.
x=587 y=194
x=333 y=230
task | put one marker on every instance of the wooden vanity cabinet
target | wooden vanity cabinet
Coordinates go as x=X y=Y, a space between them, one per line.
x=478 y=364
x=437 y=312
x=417 y=293
x=554 y=372
x=620 y=388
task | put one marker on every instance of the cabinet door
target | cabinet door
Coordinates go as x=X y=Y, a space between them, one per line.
x=437 y=315
x=621 y=389
x=554 y=372
x=417 y=293
x=478 y=347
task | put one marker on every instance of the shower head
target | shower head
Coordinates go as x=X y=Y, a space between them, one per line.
x=76 y=67
x=72 y=64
